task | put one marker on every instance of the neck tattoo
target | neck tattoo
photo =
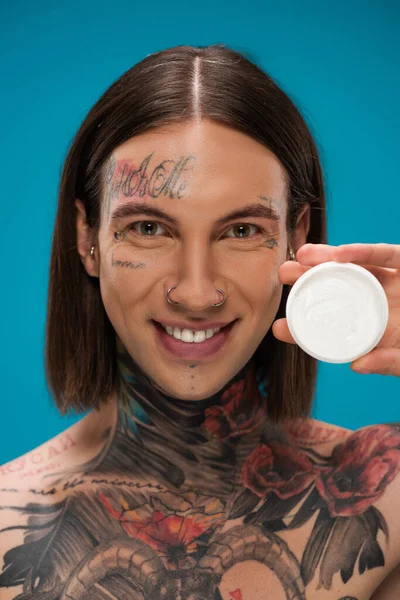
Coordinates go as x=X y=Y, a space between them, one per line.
x=182 y=444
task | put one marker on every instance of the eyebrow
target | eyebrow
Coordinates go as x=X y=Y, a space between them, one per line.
x=131 y=209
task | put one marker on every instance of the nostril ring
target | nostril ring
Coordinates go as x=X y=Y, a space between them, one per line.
x=168 y=298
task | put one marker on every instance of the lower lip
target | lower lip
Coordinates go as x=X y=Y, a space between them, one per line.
x=192 y=350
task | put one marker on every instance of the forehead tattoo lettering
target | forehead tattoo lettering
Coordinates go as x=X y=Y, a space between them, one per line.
x=165 y=179
x=110 y=168
x=113 y=177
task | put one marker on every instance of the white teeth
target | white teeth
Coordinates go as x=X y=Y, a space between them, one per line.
x=186 y=335
x=199 y=336
x=189 y=336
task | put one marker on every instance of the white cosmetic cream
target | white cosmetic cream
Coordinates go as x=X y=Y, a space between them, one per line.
x=337 y=312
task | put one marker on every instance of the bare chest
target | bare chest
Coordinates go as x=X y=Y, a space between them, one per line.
x=105 y=543
x=292 y=523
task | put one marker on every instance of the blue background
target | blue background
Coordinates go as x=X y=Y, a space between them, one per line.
x=338 y=61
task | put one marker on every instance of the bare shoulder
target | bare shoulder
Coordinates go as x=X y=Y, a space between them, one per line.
x=67 y=450
x=32 y=489
x=32 y=478
x=362 y=464
x=358 y=477
x=35 y=464
x=312 y=433
x=27 y=481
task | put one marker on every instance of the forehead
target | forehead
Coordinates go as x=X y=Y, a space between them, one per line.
x=225 y=161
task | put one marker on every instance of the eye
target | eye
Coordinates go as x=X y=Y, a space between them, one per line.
x=146 y=228
x=155 y=229
x=242 y=230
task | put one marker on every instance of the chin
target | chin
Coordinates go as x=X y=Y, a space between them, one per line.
x=188 y=390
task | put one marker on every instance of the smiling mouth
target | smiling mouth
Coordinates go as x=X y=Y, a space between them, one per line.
x=189 y=344
x=188 y=336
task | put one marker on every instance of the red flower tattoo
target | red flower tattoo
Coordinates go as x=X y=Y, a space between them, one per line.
x=241 y=410
x=361 y=469
x=279 y=468
x=174 y=535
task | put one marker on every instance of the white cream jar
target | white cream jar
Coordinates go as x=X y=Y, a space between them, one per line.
x=337 y=312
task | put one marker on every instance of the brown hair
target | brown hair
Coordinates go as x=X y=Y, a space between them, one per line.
x=159 y=90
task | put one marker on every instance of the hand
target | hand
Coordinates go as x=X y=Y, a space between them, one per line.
x=383 y=261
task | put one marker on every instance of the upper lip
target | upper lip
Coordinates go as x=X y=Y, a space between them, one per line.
x=195 y=326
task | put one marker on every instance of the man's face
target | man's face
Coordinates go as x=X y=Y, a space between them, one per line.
x=196 y=173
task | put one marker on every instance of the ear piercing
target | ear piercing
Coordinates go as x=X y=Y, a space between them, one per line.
x=119 y=235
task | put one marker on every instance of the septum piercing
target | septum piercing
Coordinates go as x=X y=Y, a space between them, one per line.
x=170 y=301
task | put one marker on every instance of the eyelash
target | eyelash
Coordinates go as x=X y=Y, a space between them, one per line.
x=131 y=226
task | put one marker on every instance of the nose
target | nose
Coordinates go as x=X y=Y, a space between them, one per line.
x=195 y=281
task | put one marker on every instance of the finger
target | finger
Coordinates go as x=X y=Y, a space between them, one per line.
x=379 y=255
x=314 y=254
x=281 y=331
x=381 y=361
x=290 y=271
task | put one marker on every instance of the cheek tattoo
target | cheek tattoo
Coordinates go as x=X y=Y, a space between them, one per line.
x=272 y=243
x=126 y=263
x=119 y=236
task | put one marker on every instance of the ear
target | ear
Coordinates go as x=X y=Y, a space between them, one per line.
x=299 y=236
x=85 y=240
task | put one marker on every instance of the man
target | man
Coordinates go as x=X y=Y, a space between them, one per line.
x=196 y=476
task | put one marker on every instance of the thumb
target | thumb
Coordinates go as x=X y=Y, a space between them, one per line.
x=381 y=361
